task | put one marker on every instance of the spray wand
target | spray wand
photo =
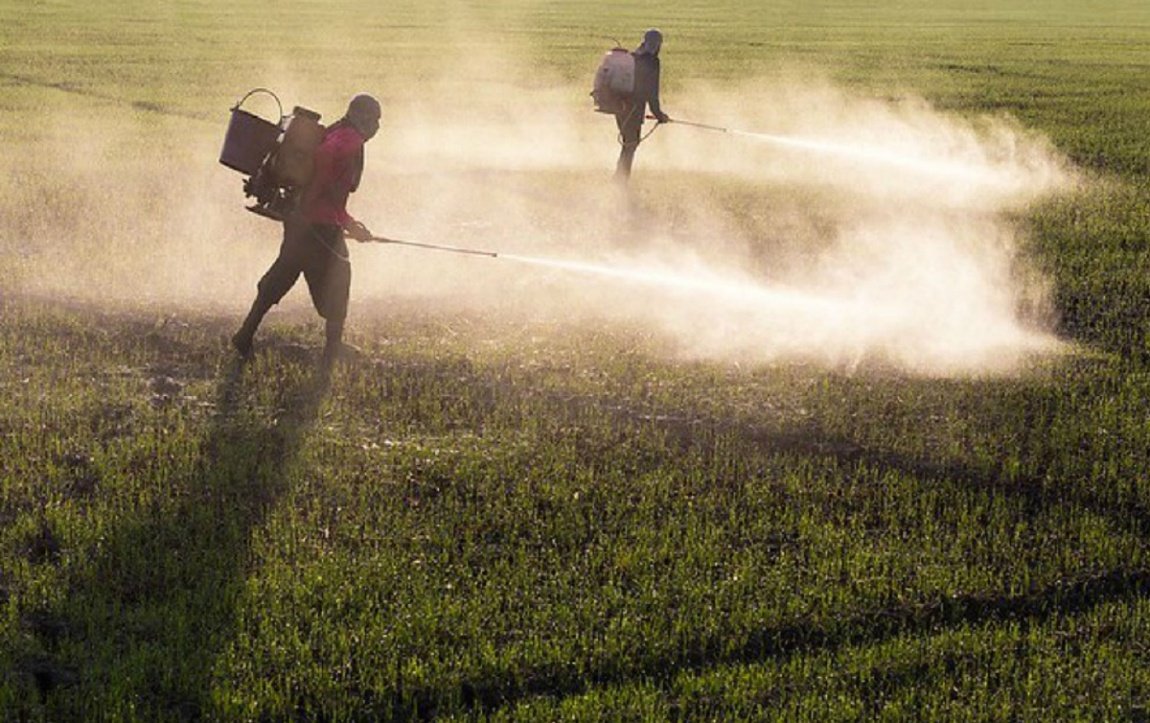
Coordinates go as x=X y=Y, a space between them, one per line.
x=436 y=247
x=858 y=153
x=695 y=125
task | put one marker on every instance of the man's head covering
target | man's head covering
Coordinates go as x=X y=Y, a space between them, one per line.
x=363 y=112
x=652 y=41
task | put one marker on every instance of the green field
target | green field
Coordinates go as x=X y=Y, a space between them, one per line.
x=518 y=504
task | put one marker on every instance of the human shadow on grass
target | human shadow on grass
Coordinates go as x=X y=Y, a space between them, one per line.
x=144 y=623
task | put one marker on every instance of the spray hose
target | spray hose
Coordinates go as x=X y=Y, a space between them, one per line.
x=642 y=138
x=648 y=134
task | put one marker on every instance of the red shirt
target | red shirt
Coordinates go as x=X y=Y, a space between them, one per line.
x=336 y=174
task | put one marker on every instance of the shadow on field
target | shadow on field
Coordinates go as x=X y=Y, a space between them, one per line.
x=782 y=642
x=867 y=627
x=141 y=628
x=73 y=89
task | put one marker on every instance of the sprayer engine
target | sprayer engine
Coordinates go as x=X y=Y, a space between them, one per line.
x=277 y=157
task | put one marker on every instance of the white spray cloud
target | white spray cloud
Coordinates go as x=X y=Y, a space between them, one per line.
x=848 y=229
x=831 y=227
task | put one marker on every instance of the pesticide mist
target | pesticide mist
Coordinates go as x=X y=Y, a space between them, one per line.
x=854 y=231
x=811 y=225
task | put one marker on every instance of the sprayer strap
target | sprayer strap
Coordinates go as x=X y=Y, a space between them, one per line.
x=346 y=258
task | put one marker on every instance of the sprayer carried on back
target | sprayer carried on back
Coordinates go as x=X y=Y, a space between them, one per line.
x=614 y=80
x=275 y=157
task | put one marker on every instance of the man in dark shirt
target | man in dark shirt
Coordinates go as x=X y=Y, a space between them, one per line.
x=630 y=118
x=313 y=242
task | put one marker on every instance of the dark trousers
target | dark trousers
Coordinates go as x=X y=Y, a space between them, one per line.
x=630 y=124
x=319 y=252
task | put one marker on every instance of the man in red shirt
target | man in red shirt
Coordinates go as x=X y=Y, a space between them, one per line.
x=313 y=242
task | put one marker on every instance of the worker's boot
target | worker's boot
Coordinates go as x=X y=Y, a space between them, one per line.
x=242 y=340
x=333 y=348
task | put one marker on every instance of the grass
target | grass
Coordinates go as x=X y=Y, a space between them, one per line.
x=481 y=518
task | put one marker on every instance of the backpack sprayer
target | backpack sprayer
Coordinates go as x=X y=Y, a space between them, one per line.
x=614 y=81
x=275 y=157
x=613 y=87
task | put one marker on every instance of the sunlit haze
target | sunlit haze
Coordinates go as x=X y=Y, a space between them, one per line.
x=816 y=225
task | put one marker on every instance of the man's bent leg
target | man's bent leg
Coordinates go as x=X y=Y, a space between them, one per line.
x=276 y=282
x=243 y=338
